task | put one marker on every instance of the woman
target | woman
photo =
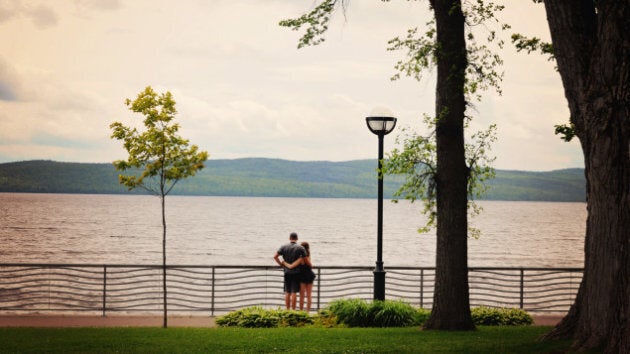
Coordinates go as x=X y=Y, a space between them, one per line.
x=307 y=275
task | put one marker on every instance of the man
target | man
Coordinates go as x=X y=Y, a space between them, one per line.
x=290 y=253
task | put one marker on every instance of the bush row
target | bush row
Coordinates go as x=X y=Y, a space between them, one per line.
x=486 y=316
x=257 y=317
x=359 y=313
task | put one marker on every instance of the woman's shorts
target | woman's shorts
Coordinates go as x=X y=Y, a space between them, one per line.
x=308 y=276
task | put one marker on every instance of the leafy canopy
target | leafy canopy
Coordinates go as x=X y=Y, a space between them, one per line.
x=422 y=48
x=160 y=155
x=417 y=160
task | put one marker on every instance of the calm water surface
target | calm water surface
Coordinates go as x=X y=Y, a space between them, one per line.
x=123 y=229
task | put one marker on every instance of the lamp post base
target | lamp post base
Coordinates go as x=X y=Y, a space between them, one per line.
x=379 y=284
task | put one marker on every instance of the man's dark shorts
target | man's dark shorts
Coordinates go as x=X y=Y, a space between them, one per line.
x=292 y=282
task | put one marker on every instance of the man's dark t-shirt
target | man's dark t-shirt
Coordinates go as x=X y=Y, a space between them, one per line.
x=291 y=252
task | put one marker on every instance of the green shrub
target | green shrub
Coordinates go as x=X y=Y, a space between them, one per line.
x=359 y=313
x=392 y=314
x=257 y=317
x=517 y=317
x=294 y=318
x=325 y=318
x=421 y=316
x=350 y=312
x=486 y=316
x=250 y=317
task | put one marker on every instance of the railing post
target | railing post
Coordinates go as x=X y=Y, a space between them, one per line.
x=104 y=289
x=522 y=287
x=49 y=290
x=319 y=283
x=422 y=288
x=571 y=296
x=212 y=295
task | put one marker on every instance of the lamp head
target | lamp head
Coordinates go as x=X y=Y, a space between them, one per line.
x=381 y=121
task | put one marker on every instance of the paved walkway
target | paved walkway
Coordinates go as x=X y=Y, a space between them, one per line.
x=149 y=321
x=99 y=321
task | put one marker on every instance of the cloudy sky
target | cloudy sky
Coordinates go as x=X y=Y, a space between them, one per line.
x=242 y=87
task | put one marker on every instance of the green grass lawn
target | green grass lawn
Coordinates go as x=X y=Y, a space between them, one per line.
x=284 y=340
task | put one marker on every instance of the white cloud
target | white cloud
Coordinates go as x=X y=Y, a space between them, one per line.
x=38 y=13
x=90 y=5
x=9 y=84
x=241 y=86
x=42 y=16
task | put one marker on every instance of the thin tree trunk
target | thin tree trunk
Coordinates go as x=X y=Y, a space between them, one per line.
x=163 y=200
x=592 y=48
x=451 y=303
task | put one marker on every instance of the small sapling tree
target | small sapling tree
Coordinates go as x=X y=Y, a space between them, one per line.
x=158 y=156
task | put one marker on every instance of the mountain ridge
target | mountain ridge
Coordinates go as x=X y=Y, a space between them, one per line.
x=268 y=177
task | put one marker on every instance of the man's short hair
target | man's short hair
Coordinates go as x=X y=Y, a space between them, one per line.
x=293 y=236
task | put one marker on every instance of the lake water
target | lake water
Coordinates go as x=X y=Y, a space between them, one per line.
x=125 y=229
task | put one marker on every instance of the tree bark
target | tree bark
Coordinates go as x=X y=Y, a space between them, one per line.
x=451 y=303
x=592 y=48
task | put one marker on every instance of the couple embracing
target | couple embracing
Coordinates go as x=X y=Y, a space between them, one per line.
x=298 y=272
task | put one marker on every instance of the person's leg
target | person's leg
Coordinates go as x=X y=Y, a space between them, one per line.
x=309 y=291
x=302 y=294
x=294 y=288
x=287 y=291
x=293 y=300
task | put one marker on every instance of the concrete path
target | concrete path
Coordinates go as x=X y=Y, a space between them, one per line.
x=99 y=321
x=149 y=321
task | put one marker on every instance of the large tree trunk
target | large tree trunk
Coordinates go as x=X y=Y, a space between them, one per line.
x=592 y=49
x=451 y=305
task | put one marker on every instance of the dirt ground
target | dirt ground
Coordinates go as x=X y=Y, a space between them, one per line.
x=149 y=321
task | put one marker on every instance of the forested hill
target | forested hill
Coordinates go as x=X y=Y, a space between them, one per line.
x=277 y=178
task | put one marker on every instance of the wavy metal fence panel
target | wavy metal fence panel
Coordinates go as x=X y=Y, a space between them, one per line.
x=34 y=288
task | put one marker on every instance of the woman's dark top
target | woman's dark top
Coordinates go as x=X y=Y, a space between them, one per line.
x=307 y=274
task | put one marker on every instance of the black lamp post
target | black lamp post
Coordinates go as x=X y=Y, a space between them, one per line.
x=381 y=126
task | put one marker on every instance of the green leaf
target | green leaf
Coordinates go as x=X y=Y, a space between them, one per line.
x=162 y=156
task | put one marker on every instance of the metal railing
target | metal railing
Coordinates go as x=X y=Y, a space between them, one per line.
x=212 y=290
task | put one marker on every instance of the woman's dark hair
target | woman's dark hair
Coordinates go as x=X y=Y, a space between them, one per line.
x=306 y=247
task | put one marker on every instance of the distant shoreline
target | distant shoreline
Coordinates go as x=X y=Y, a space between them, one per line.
x=261 y=177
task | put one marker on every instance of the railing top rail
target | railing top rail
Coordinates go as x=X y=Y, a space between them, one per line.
x=567 y=269
x=173 y=266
